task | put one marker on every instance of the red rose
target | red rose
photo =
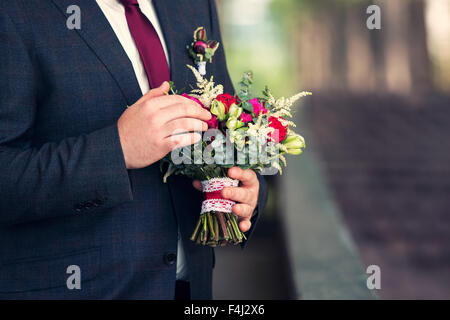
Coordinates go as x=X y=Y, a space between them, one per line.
x=277 y=125
x=227 y=100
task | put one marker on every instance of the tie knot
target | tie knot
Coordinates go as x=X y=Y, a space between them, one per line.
x=129 y=2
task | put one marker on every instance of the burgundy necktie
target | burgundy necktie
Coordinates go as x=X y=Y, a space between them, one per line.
x=147 y=41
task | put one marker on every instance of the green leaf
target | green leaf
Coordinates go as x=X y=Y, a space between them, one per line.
x=217 y=172
x=247 y=106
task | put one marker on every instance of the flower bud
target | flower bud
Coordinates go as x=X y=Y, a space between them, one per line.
x=212 y=44
x=234 y=124
x=218 y=109
x=200 y=34
x=295 y=152
x=200 y=47
x=294 y=142
x=234 y=111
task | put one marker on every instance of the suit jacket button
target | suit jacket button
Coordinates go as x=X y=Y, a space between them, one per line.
x=78 y=208
x=88 y=205
x=170 y=258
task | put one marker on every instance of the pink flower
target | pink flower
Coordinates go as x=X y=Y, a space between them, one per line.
x=213 y=123
x=245 y=117
x=193 y=99
x=257 y=107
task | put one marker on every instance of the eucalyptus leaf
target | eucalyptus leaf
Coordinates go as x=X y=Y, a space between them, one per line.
x=247 y=106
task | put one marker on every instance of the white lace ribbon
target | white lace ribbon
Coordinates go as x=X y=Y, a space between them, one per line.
x=217 y=204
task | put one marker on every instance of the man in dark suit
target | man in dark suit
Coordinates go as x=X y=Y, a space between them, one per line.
x=81 y=194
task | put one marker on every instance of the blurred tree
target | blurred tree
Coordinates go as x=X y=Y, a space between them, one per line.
x=421 y=75
x=438 y=38
x=254 y=40
x=337 y=51
x=361 y=61
x=395 y=32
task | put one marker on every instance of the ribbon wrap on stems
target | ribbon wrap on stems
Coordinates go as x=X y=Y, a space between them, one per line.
x=217 y=225
x=213 y=200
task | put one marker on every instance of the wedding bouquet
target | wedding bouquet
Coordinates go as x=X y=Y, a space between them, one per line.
x=244 y=131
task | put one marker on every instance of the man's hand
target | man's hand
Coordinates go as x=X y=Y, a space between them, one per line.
x=157 y=124
x=246 y=195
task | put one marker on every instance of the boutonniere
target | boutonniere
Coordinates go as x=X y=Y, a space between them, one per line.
x=202 y=50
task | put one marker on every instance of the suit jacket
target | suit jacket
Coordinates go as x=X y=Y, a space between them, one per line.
x=66 y=197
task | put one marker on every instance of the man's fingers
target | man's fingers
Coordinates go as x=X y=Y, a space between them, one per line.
x=245 y=225
x=187 y=109
x=197 y=185
x=183 y=125
x=243 y=210
x=164 y=100
x=182 y=140
x=247 y=177
x=157 y=92
x=236 y=194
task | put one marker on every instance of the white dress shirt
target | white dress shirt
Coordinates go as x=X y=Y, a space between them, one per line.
x=115 y=13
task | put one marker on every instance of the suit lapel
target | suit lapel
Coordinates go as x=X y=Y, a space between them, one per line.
x=100 y=37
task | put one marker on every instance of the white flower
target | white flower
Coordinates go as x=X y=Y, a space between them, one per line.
x=206 y=91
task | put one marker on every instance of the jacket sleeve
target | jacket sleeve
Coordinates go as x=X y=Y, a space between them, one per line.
x=228 y=86
x=74 y=176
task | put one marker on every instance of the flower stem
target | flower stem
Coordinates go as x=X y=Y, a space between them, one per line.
x=230 y=230
x=211 y=227
x=197 y=228
x=216 y=228
x=223 y=225
x=205 y=230
x=236 y=227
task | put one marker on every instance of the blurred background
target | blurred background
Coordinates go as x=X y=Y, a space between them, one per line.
x=373 y=187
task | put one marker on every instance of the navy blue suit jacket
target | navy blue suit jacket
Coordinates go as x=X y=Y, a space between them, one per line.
x=66 y=197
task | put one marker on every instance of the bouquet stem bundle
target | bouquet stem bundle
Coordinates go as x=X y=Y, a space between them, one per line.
x=217 y=224
x=217 y=228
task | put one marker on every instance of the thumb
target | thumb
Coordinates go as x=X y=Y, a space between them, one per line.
x=197 y=185
x=157 y=92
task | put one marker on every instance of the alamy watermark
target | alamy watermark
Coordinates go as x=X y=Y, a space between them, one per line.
x=74 y=20
x=374 y=279
x=231 y=148
x=374 y=20
x=74 y=280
